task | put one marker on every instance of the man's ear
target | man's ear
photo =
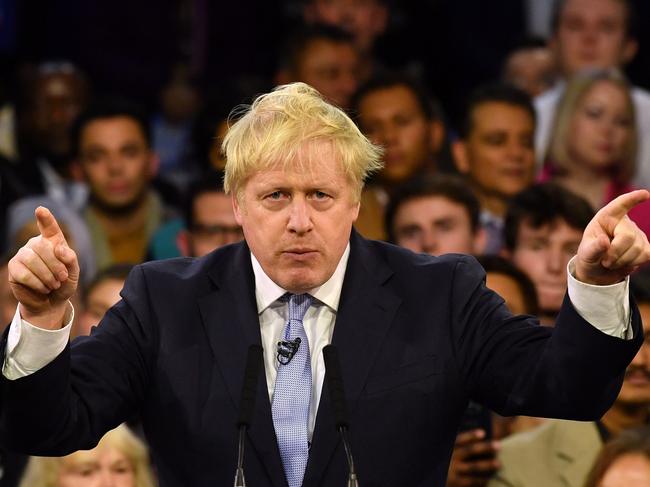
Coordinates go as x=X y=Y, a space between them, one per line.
x=505 y=253
x=236 y=207
x=183 y=242
x=76 y=171
x=437 y=135
x=459 y=151
x=154 y=163
x=480 y=241
x=630 y=49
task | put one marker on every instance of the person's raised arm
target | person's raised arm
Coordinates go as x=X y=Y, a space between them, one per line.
x=44 y=274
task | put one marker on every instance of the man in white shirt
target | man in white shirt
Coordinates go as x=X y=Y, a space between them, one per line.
x=593 y=34
x=418 y=336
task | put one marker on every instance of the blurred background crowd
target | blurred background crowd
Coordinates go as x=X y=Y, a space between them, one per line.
x=506 y=125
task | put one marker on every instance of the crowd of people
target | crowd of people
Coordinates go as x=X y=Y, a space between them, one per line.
x=513 y=178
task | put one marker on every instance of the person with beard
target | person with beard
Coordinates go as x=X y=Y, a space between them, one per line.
x=562 y=452
x=55 y=94
x=112 y=152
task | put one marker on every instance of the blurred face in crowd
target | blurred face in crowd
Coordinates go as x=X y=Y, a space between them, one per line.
x=117 y=163
x=434 y=225
x=508 y=288
x=100 y=467
x=629 y=470
x=100 y=298
x=393 y=118
x=601 y=128
x=592 y=34
x=332 y=68
x=214 y=225
x=532 y=70
x=297 y=219
x=543 y=254
x=364 y=19
x=57 y=100
x=498 y=154
x=636 y=385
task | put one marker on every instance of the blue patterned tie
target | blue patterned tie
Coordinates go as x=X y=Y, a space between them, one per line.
x=292 y=395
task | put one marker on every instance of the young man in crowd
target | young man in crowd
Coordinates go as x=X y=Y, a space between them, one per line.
x=365 y=20
x=435 y=215
x=562 y=452
x=209 y=219
x=102 y=293
x=113 y=155
x=590 y=34
x=543 y=228
x=325 y=57
x=495 y=152
x=397 y=113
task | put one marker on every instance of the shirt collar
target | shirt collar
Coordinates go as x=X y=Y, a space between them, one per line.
x=328 y=293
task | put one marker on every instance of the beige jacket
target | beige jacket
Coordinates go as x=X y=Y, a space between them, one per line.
x=558 y=453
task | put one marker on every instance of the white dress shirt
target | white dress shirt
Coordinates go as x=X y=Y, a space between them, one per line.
x=30 y=348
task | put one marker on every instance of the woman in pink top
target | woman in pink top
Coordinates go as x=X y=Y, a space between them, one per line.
x=594 y=141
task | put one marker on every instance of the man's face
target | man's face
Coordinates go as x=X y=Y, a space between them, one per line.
x=498 y=154
x=297 y=221
x=434 y=225
x=592 y=34
x=543 y=253
x=601 y=128
x=57 y=101
x=332 y=68
x=364 y=19
x=508 y=288
x=392 y=117
x=214 y=223
x=636 y=385
x=116 y=162
x=104 y=295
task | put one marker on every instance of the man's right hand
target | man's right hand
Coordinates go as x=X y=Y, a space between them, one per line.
x=473 y=461
x=44 y=274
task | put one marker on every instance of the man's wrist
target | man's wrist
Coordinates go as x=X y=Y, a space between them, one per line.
x=52 y=319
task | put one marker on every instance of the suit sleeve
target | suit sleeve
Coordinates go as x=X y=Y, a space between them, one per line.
x=94 y=385
x=517 y=367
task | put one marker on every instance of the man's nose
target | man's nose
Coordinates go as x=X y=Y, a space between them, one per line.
x=299 y=216
x=555 y=261
x=430 y=243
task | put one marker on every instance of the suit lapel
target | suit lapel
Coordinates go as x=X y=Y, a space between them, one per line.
x=365 y=313
x=575 y=447
x=231 y=323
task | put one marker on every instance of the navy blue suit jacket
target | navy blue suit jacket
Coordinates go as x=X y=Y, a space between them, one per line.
x=417 y=337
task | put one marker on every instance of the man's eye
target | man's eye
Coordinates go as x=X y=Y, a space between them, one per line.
x=276 y=195
x=319 y=195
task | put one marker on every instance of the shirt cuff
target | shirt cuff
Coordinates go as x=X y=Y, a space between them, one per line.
x=607 y=308
x=30 y=348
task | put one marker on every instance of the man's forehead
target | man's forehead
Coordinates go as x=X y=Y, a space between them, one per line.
x=549 y=228
x=613 y=10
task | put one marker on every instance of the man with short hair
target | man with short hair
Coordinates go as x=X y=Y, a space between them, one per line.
x=436 y=215
x=417 y=336
x=562 y=452
x=112 y=150
x=323 y=56
x=495 y=152
x=543 y=229
x=594 y=34
x=209 y=219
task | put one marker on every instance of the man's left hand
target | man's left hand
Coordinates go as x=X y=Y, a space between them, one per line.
x=612 y=246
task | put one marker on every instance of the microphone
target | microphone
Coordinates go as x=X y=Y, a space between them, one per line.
x=247 y=406
x=334 y=380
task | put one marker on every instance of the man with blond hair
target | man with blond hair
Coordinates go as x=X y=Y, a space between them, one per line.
x=417 y=336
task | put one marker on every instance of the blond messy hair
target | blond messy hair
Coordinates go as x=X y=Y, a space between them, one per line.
x=577 y=88
x=45 y=471
x=275 y=130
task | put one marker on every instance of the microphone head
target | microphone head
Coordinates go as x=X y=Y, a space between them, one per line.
x=249 y=386
x=334 y=380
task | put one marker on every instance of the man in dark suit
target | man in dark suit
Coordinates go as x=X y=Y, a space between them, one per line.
x=417 y=335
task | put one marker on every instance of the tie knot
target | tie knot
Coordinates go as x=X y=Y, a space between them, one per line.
x=298 y=305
